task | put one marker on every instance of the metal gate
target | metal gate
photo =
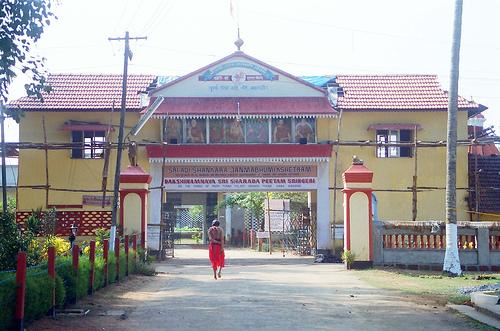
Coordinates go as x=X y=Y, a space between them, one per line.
x=167 y=233
x=298 y=234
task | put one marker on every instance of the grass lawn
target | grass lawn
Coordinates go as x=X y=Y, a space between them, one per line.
x=426 y=284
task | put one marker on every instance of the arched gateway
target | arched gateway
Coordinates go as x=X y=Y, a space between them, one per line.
x=240 y=125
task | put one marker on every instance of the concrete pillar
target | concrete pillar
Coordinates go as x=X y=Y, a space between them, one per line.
x=483 y=247
x=228 y=216
x=323 y=237
x=155 y=201
x=358 y=213
x=134 y=189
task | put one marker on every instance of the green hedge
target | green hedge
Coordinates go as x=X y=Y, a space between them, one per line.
x=38 y=299
x=69 y=285
x=7 y=299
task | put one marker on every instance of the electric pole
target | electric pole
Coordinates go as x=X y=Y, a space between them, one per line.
x=127 y=56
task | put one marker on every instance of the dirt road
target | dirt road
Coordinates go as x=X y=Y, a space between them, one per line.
x=257 y=292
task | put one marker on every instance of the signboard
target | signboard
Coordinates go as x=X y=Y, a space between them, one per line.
x=277 y=215
x=240 y=178
x=96 y=200
x=262 y=235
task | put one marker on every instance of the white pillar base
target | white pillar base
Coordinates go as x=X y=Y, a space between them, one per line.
x=451 y=263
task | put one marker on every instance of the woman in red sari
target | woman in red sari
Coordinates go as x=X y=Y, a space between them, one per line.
x=216 y=247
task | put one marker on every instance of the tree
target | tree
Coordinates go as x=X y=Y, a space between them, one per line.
x=22 y=22
x=451 y=264
x=254 y=201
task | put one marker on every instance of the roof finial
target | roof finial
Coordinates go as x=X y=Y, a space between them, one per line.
x=239 y=42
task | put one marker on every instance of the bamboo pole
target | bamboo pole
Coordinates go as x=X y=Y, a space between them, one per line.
x=415 y=173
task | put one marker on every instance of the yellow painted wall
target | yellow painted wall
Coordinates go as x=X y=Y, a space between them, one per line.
x=396 y=173
x=390 y=173
x=65 y=172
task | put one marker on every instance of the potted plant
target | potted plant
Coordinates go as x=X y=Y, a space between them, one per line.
x=348 y=257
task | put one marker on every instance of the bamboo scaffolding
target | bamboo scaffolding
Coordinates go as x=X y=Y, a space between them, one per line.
x=419 y=143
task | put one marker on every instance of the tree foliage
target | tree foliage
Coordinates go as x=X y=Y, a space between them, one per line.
x=22 y=23
x=254 y=201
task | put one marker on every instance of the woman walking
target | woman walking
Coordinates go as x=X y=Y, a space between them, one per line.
x=216 y=248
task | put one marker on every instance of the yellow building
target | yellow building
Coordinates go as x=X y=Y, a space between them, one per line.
x=240 y=124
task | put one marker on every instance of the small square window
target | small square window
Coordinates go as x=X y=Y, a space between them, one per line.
x=394 y=136
x=91 y=144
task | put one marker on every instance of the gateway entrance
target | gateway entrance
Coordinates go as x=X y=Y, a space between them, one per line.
x=196 y=194
x=284 y=225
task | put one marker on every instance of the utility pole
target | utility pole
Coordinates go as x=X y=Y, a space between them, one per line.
x=4 y=166
x=127 y=56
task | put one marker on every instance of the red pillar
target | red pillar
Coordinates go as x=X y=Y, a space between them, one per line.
x=105 y=252
x=52 y=274
x=21 y=290
x=357 y=183
x=92 y=267
x=134 y=180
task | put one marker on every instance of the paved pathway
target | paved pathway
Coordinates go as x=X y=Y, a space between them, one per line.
x=262 y=292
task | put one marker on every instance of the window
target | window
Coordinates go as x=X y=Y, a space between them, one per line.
x=92 y=144
x=394 y=136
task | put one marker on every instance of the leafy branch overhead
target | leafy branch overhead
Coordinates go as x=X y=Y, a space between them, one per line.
x=21 y=25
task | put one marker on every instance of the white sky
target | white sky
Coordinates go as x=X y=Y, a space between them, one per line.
x=313 y=37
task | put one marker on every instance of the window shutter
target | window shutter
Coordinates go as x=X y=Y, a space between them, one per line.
x=405 y=136
x=76 y=137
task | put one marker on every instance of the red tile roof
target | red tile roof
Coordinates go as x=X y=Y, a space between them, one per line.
x=484 y=150
x=394 y=93
x=88 y=92
x=314 y=106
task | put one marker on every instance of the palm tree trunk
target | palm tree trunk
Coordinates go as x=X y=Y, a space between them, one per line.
x=451 y=264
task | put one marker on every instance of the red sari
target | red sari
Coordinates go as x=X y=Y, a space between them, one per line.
x=215 y=252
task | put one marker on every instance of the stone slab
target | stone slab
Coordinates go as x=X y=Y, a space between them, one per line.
x=476 y=315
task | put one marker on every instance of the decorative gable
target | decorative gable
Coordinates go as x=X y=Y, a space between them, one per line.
x=238 y=75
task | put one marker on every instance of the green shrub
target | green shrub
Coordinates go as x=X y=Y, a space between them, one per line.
x=7 y=299
x=69 y=286
x=123 y=261
x=82 y=285
x=60 y=292
x=75 y=284
x=38 y=295
x=348 y=257
x=132 y=263
x=38 y=299
x=145 y=269
x=98 y=273
x=111 y=269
